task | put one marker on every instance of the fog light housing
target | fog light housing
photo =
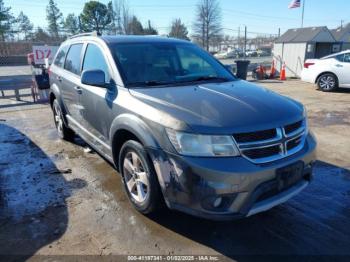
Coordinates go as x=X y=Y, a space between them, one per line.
x=217 y=202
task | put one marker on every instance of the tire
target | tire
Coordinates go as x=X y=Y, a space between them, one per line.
x=139 y=179
x=327 y=82
x=63 y=131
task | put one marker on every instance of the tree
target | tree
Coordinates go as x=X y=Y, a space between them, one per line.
x=150 y=30
x=95 y=17
x=135 y=27
x=24 y=25
x=208 y=22
x=71 y=24
x=54 y=18
x=111 y=28
x=178 y=30
x=6 y=19
x=41 y=36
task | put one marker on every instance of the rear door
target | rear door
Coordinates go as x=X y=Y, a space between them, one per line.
x=70 y=81
x=344 y=71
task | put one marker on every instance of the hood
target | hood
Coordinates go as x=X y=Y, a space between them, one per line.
x=219 y=108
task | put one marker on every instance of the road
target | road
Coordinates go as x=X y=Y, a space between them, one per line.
x=59 y=198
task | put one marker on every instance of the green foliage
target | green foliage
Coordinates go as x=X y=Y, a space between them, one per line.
x=24 y=25
x=150 y=30
x=95 y=17
x=135 y=27
x=54 y=18
x=71 y=24
x=6 y=19
x=178 y=30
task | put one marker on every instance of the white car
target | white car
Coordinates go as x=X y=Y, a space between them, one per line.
x=329 y=72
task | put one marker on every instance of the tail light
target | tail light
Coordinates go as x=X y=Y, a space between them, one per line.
x=306 y=65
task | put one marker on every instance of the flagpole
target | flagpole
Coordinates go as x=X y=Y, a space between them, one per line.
x=302 y=14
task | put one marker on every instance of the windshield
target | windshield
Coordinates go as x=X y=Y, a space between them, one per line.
x=151 y=64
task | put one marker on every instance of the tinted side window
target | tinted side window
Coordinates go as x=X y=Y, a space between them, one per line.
x=347 y=58
x=61 y=55
x=340 y=58
x=72 y=63
x=94 y=59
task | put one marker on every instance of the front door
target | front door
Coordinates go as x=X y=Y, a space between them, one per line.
x=97 y=102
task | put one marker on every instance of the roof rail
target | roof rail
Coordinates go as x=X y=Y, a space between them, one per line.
x=94 y=33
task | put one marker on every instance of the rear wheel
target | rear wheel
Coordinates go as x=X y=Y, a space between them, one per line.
x=63 y=131
x=139 y=178
x=327 y=82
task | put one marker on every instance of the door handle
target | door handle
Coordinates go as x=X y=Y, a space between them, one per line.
x=78 y=90
x=338 y=65
x=59 y=79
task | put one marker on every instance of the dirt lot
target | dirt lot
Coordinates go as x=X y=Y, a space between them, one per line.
x=57 y=198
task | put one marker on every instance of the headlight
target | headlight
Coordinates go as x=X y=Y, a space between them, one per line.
x=202 y=145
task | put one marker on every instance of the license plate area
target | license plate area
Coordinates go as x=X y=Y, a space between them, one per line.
x=289 y=175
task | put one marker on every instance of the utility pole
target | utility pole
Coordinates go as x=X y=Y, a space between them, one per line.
x=239 y=37
x=279 y=32
x=302 y=14
x=245 y=41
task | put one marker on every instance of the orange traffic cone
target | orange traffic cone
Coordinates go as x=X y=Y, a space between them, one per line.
x=283 y=72
x=273 y=70
x=261 y=72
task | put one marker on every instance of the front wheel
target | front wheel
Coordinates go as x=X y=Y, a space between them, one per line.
x=327 y=82
x=139 y=178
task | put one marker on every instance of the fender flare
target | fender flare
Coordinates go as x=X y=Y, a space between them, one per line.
x=134 y=125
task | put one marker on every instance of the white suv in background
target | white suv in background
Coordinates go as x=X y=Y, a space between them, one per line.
x=329 y=72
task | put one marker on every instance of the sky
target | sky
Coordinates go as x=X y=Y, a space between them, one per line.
x=260 y=17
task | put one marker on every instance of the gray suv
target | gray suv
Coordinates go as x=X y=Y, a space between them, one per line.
x=179 y=127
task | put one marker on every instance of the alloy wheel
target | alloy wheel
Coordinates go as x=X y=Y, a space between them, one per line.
x=136 y=177
x=327 y=82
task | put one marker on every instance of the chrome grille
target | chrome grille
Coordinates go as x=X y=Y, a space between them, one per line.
x=269 y=145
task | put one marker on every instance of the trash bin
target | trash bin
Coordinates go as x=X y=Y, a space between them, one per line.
x=242 y=68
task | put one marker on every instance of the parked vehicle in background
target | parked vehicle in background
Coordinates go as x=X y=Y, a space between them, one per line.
x=262 y=53
x=329 y=72
x=251 y=53
x=180 y=127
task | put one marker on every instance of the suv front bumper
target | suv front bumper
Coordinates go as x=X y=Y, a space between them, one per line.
x=224 y=188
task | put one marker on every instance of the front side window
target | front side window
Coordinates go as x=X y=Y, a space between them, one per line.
x=72 y=63
x=94 y=59
x=61 y=55
x=144 y=64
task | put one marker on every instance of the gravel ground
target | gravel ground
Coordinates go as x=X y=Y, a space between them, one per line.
x=57 y=198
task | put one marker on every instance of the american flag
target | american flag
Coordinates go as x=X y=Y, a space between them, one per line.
x=294 y=4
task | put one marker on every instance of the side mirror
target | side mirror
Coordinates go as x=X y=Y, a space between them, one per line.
x=93 y=78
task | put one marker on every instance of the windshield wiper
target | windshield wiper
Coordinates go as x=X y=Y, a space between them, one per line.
x=150 y=83
x=205 y=78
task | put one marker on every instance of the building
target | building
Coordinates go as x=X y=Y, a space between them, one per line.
x=297 y=45
x=342 y=36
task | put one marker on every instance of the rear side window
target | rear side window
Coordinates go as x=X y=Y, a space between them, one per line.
x=347 y=58
x=72 y=63
x=94 y=60
x=61 y=55
x=340 y=58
